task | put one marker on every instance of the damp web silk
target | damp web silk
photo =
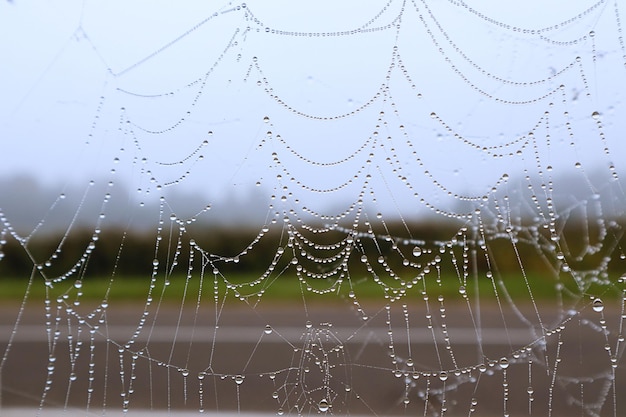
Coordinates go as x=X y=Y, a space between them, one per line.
x=439 y=182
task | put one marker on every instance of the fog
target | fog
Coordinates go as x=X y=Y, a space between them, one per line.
x=33 y=206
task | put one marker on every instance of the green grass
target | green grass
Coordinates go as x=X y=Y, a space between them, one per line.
x=285 y=288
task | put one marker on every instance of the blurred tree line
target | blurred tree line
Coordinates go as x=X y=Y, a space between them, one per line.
x=582 y=246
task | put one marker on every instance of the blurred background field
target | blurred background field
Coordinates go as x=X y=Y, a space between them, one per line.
x=121 y=266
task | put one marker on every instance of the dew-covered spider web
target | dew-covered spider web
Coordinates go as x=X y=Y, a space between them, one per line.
x=313 y=208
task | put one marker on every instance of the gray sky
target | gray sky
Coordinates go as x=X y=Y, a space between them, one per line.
x=84 y=83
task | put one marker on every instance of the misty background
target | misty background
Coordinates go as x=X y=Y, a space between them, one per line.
x=190 y=110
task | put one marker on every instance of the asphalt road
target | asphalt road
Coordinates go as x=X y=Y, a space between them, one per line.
x=290 y=358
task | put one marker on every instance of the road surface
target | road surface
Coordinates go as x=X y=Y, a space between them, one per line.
x=281 y=357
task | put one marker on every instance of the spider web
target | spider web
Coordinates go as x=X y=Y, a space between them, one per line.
x=404 y=208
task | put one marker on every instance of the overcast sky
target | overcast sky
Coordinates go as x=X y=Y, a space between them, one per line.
x=86 y=86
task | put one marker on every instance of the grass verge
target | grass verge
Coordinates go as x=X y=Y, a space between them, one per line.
x=289 y=287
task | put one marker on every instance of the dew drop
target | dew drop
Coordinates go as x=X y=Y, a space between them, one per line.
x=239 y=379
x=504 y=363
x=443 y=375
x=78 y=283
x=323 y=406
x=598 y=305
x=268 y=329
x=417 y=251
